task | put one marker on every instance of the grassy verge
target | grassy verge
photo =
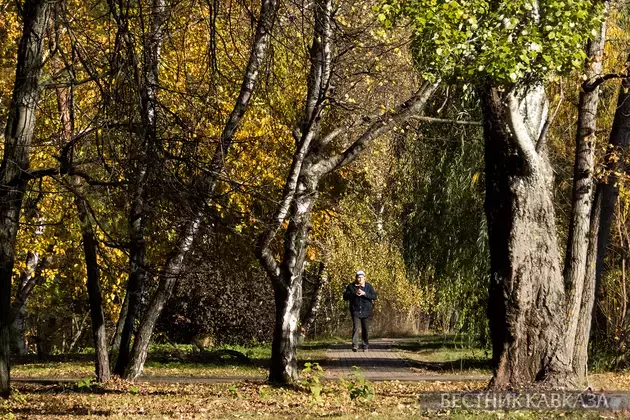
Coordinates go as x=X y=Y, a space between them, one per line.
x=439 y=354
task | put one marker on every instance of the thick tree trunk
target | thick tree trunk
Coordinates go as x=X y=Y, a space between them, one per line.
x=540 y=324
x=526 y=294
x=283 y=367
x=288 y=286
x=17 y=140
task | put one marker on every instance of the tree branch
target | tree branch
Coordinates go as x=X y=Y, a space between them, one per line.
x=590 y=85
x=386 y=122
x=542 y=139
x=446 y=121
x=523 y=140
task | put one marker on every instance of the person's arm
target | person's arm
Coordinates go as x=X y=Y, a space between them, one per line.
x=370 y=293
x=347 y=294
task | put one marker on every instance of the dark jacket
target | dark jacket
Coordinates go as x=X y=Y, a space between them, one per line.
x=360 y=306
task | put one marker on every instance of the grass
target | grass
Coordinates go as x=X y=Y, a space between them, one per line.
x=246 y=400
x=120 y=399
x=434 y=354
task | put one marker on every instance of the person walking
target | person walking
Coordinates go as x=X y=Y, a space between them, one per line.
x=360 y=294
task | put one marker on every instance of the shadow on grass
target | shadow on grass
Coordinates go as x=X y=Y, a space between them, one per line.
x=62 y=412
x=432 y=342
x=175 y=358
x=185 y=360
x=465 y=363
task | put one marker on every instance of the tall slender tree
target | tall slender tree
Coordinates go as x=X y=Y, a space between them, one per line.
x=143 y=158
x=65 y=105
x=205 y=183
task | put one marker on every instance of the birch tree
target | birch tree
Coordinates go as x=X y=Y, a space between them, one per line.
x=205 y=183
x=310 y=163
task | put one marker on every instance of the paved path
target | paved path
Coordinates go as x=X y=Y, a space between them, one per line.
x=380 y=363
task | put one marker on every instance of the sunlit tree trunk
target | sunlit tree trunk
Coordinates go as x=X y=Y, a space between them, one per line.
x=526 y=294
x=584 y=216
x=15 y=161
x=309 y=165
x=539 y=316
x=288 y=286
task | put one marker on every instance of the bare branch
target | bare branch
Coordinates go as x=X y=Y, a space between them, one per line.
x=446 y=121
x=590 y=85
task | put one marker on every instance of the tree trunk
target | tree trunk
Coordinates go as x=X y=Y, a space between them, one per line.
x=526 y=293
x=309 y=165
x=80 y=326
x=283 y=367
x=90 y=245
x=606 y=195
x=65 y=105
x=288 y=286
x=539 y=319
x=28 y=280
x=15 y=161
x=122 y=316
x=168 y=279
x=18 y=308
x=313 y=308
x=579 y=240
x=615 y=165
x=145 y=157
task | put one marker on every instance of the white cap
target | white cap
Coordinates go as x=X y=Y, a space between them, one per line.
x=360 y=273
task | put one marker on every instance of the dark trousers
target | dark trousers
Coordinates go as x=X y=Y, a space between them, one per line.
x=356 y=321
